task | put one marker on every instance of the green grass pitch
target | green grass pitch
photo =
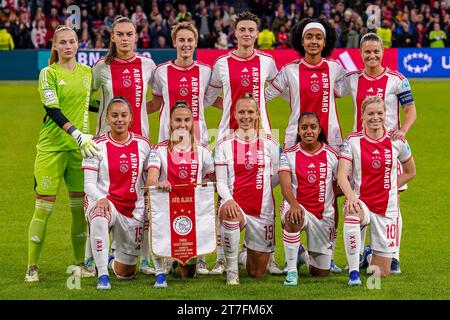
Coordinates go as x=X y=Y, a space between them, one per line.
x=425 y=206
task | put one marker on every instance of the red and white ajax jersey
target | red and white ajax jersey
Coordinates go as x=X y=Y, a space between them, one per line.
x=129 y=79
x=121 y=172
x=375 y=165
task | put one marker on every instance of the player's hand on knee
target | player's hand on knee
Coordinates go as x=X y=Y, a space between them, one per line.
x=165 y=186
x=232 y=209
x=103 y=206
x=295 y=215
x=352 y=206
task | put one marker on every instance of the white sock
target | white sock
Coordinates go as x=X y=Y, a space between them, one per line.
x=291 y=243
x=100 y=244
x=88 y=250
x=159 y=265
x=242 y=257
x=231 y=235
x=400 y=227
x=333 y=243
x=145 y=243
x=363 y=239
x=352 y=241
x=220 y=253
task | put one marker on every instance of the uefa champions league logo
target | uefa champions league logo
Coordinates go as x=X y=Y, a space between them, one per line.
x=417 y=62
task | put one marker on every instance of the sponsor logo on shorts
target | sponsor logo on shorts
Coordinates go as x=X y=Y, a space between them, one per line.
x=182 y=225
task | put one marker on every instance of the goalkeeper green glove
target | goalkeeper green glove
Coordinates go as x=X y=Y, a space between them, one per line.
x=88 y=147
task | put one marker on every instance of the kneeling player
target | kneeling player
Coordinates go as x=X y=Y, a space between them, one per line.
x=307 y=173
x=180 y=160
x=115 y=198
x=374 y=157
x=246 y=169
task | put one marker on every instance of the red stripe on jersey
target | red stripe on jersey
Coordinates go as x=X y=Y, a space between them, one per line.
x=248 y=189
x=184 y=84
x=182 y=167
x=245 y=77
x=315 y=93
x=127 y=81
x=311 y=173
x=376 y=167
x=366 y=88
x=123 y=164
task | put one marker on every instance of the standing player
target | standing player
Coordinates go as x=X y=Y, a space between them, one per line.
x=115 y=198
x=182 y=79
x=310 y=83
x=307 y=178
x=64 y=89
x=175 y=161
x=244 y=70
x=394 y=89
x=246 y=168
x=374 y=157
x=124 y=73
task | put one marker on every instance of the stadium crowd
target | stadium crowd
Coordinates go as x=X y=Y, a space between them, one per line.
x=28 y=24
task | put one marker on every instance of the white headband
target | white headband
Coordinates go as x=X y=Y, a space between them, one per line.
x=314 y=25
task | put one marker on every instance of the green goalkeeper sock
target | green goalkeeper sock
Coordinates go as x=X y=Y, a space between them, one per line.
x=78 y=229
x=38 y=229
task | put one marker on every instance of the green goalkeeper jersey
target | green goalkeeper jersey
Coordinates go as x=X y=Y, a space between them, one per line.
x=69 y=91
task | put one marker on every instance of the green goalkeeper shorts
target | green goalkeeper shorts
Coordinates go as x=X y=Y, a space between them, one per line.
x=50 y=167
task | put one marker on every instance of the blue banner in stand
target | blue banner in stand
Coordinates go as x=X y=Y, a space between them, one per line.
x=424 y=62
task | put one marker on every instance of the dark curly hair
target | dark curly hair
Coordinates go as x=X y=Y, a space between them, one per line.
x=330 y=36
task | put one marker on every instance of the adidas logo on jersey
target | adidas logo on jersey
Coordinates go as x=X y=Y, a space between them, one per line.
x=249 y=153
x=311 y=166
x=183 y=161
x=183 y=79
x=244 y=70
x=123 y=156
x=314 y=76
x=126 y=71
x=370 y=90
x=376 y=152
x=61 y=82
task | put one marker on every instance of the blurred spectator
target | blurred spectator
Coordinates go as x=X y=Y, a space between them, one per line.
x=281 y=19
x=183 y=14
x=221 y=38
x=385 y=33
x=159 y=28
x=266 y=39
x=138 y=16
x=144 y=41
x=39 y=35
x=109 y=19
x=85 y=40
x=352 y=37
x=437 y=37
x=53 y=18
x=6 y=40
x=162 y=43
x=24 y=38
x=282 y=38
